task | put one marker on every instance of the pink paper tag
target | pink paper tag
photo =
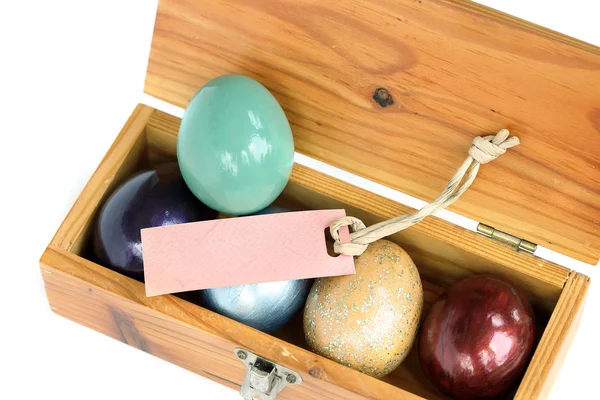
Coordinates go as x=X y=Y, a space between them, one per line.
x=239 y=251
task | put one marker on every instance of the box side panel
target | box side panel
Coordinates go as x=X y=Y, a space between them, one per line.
x=121 y=160
x=555 y=342
x=189 y=336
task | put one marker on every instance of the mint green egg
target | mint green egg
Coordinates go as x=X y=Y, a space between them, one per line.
x=235 y=147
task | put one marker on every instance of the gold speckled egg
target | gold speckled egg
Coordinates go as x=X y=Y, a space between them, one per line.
x=367 y=321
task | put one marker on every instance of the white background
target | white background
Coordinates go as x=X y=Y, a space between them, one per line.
x=70 y=75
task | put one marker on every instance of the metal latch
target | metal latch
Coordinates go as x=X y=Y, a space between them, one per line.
x=264 y=379
x=505 y=238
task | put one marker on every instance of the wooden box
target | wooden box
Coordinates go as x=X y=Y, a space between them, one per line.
x=394 y=92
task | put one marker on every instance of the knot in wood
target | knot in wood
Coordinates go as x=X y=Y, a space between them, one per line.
x=383 y=97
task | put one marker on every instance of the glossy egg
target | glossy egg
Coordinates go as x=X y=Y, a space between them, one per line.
x=235 y=146
x=263 y=306
x=367 y=321
x=477 y=339
x=152 y=198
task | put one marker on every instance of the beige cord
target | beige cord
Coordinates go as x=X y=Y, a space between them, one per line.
x=482 y=151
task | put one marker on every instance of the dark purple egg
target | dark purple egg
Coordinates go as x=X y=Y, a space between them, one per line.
x=153 y=198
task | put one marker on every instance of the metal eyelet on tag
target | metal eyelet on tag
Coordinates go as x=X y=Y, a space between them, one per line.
x=264 y=379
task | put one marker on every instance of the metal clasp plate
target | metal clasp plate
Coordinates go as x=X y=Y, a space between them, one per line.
x=264 y=379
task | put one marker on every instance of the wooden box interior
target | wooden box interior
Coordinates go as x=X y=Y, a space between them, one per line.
x=443 y=253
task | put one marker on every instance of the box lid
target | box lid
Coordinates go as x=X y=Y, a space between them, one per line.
x=449 y=71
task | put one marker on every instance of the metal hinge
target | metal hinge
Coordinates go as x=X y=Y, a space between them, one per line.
x=513 y=241
x=264 y=379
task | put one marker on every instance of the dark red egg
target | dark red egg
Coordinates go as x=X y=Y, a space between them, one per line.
x=152 y=198
x=476 y=341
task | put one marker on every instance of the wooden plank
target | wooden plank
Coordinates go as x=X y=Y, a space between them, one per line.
x=454 y=69
x=443 y=252
x=121 y=160
x=195 y=338
x=556 y=340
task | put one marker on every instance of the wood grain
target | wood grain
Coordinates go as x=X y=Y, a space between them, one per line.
x=122 y=159
x=454 y=70
x=203 y=342
x=555 y=343
x=444 y=253
x=197 y=339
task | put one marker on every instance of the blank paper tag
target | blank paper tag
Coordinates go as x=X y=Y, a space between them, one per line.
x=243 y=250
